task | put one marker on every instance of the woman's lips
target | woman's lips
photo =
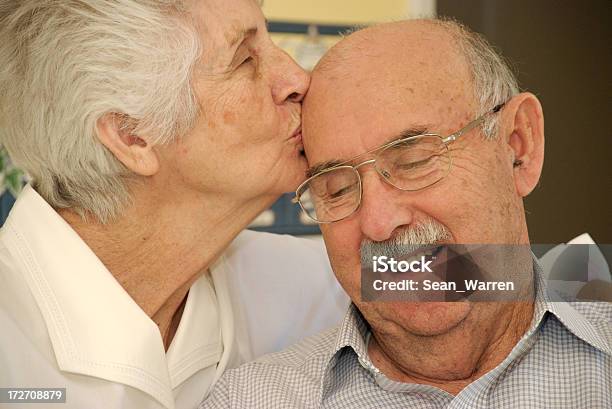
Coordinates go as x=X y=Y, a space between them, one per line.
x=296 y=136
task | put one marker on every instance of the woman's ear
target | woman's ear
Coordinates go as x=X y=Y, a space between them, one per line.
x=115 y=132
x=524 y=122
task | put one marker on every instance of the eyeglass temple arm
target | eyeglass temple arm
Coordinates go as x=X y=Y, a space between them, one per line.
x=475 y=123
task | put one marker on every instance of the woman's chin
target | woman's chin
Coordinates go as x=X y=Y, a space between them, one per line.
x=284 y=177
x=293 y=173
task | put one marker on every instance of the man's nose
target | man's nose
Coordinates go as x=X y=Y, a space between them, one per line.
x=381 y=211
x=291 y=81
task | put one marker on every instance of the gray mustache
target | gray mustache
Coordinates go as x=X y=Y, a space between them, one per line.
x=406 y=241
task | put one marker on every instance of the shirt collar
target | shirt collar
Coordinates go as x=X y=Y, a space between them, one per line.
x=197 y=343
x=567 y=313
x=354 y=331
x=95 y=327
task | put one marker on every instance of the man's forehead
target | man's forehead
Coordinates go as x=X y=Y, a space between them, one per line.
x=355 y=158
x=361 y=100
x=360 y=97
x=337 y=132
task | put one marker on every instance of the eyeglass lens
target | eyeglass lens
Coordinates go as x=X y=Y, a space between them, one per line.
x=410 y=164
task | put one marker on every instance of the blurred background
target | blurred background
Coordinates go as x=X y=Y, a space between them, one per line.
x=560 y=51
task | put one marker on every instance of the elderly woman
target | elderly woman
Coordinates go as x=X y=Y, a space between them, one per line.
x=154 y=131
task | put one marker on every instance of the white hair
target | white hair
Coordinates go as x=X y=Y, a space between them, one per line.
x=492 y=79
x=67 y=63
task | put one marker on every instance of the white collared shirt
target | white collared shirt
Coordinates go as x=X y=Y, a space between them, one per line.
x=66 y=322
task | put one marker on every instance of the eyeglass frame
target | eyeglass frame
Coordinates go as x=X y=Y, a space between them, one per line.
x=445 y=140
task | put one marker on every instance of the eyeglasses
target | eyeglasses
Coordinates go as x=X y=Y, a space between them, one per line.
x=408 y=164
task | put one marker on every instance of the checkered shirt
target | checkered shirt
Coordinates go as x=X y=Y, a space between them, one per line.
x=563 y=361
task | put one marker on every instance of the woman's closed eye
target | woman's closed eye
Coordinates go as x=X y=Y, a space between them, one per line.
x=249 y=59
x=244 y=57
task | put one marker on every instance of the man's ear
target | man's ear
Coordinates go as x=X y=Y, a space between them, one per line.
x=115 y=132
x=524 y=123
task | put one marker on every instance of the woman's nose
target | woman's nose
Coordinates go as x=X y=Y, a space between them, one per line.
x=290 y=80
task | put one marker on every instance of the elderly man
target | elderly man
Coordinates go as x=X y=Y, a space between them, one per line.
x=381 y=179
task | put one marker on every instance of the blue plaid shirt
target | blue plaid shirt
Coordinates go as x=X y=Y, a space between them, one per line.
x=564 y=360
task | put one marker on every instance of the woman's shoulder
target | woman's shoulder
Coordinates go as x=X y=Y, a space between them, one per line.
x=282 y=289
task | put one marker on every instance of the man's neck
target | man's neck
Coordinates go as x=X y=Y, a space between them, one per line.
x=156 y=252
x=453 y=360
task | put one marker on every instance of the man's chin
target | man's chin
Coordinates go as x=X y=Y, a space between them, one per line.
x=425 y=319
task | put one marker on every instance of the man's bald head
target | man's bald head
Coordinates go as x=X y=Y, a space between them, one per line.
x=422 y=48
x=393 y=39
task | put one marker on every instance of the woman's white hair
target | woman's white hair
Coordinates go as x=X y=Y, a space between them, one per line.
x=65 y=64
